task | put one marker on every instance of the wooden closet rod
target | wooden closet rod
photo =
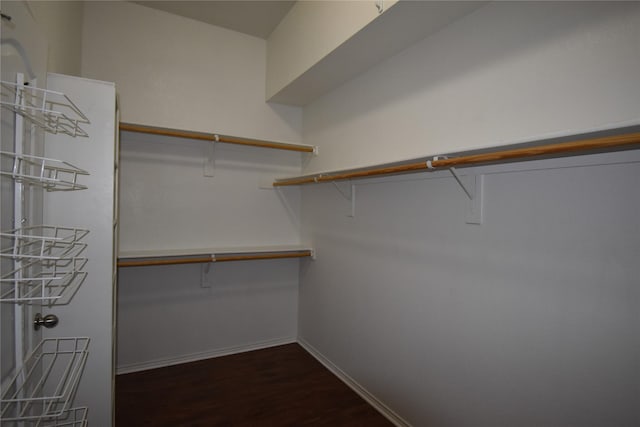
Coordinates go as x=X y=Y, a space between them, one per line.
x=131 y=127
x=218 y=258
x=607 y=142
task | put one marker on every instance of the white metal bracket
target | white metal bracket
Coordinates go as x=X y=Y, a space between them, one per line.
x=349 y=194
x=209 y=169
x=475 y=210
x=205 y=277
x=475 y=192
x=469 y=191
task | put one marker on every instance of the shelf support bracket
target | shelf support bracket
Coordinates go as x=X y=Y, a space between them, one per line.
x=349 y=195
x=475 y=193
x=470 y=192
x=209 y=169
x=205 y=269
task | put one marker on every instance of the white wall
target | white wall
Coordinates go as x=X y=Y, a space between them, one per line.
x=166 y=202
x=532 y=317
x=62 y=23
x=309 y=32
x=164 y=316
x=175 y=72
x=321 y=45
x=507 y=73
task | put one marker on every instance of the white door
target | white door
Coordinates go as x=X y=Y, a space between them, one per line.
x=91 y=311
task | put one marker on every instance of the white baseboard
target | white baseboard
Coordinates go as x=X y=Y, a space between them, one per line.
x=355 y=386
x=193 y=357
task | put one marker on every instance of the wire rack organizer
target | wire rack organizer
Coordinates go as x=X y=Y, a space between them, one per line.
x=50 y=268
x=45 y=242
x=50 y=174
x=41 y=264
x=51 y=111
x=55 y=283
x=74 y=417
x=45 y=385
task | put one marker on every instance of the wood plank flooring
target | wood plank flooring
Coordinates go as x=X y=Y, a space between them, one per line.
x=278 y=386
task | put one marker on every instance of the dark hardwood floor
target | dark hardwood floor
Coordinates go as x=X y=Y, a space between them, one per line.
x=278 y=386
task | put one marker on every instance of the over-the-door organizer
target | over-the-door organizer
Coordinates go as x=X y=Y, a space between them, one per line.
x=47 y=264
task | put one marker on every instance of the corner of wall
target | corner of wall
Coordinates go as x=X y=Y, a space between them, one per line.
x=61 y=21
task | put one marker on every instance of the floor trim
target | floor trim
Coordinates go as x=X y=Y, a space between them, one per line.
x=194 y=357
x=355 y=386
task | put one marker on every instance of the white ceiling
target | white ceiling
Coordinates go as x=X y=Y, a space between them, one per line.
x=256 y=18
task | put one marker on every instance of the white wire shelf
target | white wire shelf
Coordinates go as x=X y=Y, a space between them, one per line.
x=50 y=174
x=43 y=242
x=52 y=282
x=45 y=385
x=74 y=417
x=52 y=111
x=47 y=264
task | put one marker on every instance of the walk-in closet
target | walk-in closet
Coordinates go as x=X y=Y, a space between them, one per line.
x=331 y=213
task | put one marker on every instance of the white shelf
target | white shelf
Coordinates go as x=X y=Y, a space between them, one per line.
x=50 y=174
x=557 y=147
x=214 y=137
x=162 y=253
x=52 y=111
x=45 y=385
x=201 y=255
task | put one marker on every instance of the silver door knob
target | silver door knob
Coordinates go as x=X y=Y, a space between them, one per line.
x=48 y=321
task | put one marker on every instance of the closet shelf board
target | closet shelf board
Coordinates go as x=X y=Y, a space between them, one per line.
x=194 y=256
x=572 y=147
x=214 y=137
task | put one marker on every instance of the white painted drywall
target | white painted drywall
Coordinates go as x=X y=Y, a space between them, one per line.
x=176 y=72
x=90 y=312
x=61 y=21
x=166 y=202
x=530 y=319
x=309 y=32
x=400 y=26
x=507 y=73
x=180 y=73
x=165 y=317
